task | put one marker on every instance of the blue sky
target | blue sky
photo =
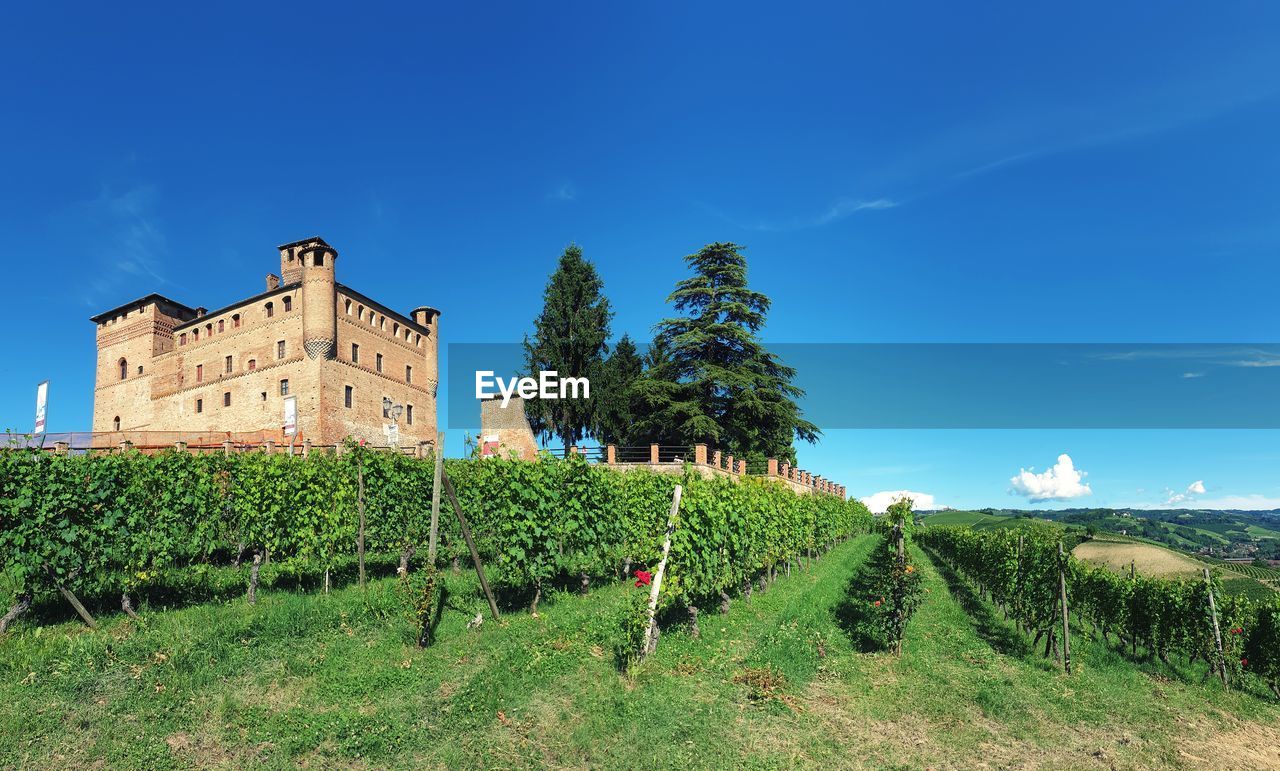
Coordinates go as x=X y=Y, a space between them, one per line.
x=914 y=173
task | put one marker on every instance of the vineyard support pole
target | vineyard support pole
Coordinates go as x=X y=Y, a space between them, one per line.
x=1066 y=624
x=71 y=598
x=435 y=499
x=651 y=640
x=1217 y=631
x=360 y=509
x=471 y=544
x=902 y=562
x=1133 y=624
x=1017 y=594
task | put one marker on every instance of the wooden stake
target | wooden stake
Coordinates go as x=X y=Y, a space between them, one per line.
x=360 y=509
x=650 y=639
x=466 y=535
x=435 y=499
x=1066 y=624
x=1217 y=631
x=71 y=598
x=902 y=561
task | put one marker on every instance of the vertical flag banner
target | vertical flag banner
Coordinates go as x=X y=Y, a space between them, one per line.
x=291 y=416
x=42 y=399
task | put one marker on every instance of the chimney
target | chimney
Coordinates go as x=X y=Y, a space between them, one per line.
x=273 y=281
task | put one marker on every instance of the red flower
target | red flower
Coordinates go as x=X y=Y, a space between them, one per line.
x=877 y=603
x=1244 y=662
x=643 y=577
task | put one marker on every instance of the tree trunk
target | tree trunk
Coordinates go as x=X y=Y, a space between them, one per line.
x=235 y=563
x=537 y=595
x=326 y=581
x=725 y=602
x=456 y=569
x=693 y=622
x=19 y=607
x=253 y=578
x=626 y=568
x=126 y=604
x=788 y=568
x=405 y=556
x=586 y=583
x=746 y=591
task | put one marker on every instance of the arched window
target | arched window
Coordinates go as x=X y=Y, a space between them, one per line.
x=395 y=330
x=195 y=335
x=182 y=339
x=318 y=259
x=208 y=329
x=235 y=321
x=288 y=303
x=221 y=326
x=270 y=309
x=115 y=423
x=348 y=307
x=124 y=369
x=382 y=323
x=253 y=364
x=360 y=313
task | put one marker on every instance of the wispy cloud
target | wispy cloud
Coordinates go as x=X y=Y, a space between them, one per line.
x=1191 y=375
x=126 y=238
x=840 y=209
x=564 y=192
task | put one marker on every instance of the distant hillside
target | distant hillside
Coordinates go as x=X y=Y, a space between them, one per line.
x=1223 y=534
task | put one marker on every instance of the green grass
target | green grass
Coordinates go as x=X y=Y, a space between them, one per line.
x=307 y=679
x=969 y=518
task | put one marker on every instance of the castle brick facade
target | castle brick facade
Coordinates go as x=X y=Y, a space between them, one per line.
x=164 y=366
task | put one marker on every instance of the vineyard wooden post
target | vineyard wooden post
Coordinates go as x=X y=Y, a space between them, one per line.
x=900 y=542
x=71 y=598
x=466 y=535
x=1133 y=625
x=435 y=499
x=360 y=510
x=1066 y=624
x=1221 y=663
x=650 y=638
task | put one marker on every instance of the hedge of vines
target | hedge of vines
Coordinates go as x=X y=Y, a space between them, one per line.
x=1018 y=569
x=113 y=522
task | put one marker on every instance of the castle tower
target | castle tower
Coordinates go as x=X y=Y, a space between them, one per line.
x=313 y=261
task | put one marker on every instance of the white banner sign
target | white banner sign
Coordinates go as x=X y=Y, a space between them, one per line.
x=393 y=434
x=290 y=416
x=42 y=401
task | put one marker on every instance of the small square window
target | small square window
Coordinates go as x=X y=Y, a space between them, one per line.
x=355 y=353
x=226 y=399
x=199 y=405
x=408 y=374
x=280 y=349
x=264 y=396
x=408 y=414
x=284 y=387
x=347 y=396
x=379 y=363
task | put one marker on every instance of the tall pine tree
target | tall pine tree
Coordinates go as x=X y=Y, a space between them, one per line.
x=615 y=396
x=713 y=380
x=569 y=337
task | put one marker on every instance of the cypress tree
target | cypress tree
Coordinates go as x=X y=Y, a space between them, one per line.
x=570 y=337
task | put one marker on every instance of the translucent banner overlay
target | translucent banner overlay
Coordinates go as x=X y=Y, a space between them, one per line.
x=982 y=385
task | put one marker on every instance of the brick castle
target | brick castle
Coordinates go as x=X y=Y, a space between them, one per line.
x=163 y=366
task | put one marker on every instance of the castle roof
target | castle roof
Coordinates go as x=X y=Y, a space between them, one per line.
x=138 y=303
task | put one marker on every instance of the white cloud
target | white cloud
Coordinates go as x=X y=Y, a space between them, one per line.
x=880 y=501
x=1060 y=483
x=1246 y=502
x=1193 y=489
x=1189 y=375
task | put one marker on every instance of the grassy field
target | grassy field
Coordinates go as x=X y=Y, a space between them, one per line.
x=334 y=681
x=1148 y=559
